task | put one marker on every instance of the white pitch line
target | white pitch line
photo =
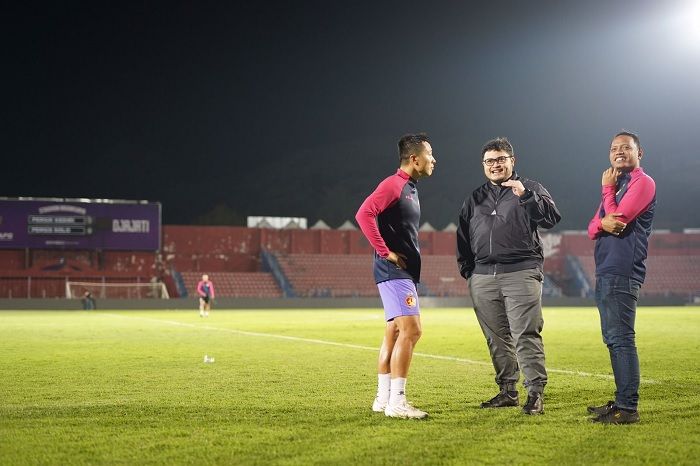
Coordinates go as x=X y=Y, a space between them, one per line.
x=361 y=347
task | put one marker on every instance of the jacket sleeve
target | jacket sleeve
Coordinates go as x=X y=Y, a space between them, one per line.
x=384 y=196
x=200 y=288
x=638 y=197
x=595 y=228
x=540 y=206
x=465 y=256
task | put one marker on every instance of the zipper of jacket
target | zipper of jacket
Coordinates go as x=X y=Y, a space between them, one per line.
x=491 y=236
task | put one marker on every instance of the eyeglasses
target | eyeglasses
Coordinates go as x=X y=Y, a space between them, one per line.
x=501 y=159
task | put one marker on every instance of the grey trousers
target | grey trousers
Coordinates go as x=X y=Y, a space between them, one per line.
x=509 y=309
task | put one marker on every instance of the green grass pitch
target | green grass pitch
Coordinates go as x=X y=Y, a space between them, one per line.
x=295 y=387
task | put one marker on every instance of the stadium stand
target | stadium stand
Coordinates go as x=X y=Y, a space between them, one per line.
x=672 y=275
x=44 y=273
x=666 y=275
x=255 y=262
x=329 y=275
x=440 y=277
x=673 y=265
x=337 y=275
x=12 y=259
x=588 y=266
x=236 y=284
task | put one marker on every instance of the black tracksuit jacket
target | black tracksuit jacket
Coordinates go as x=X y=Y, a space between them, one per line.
x=497 y=230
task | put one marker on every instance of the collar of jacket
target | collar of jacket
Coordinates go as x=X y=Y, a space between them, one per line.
x=497 y=187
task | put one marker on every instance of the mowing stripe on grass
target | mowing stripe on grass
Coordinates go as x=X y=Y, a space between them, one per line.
x=360 y=347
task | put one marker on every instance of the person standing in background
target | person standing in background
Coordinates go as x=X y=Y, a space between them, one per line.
x=205 y=290
x=499 y=251
x=621 y=229
x=389 y=218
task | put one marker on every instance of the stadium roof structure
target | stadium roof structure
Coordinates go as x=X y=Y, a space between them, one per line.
x=426 y=227
x=451 y=227
x=263 y=224
x=280 y=223
x=348 y=225
x=320 y=225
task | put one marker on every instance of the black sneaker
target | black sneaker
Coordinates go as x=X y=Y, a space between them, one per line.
x=534 y=404
x=502 y=400
x=617 y=416
x=600 y=410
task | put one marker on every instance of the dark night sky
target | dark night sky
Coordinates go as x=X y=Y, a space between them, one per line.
x=294 y=108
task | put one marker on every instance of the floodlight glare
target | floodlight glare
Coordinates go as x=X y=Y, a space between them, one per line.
x=688 y=23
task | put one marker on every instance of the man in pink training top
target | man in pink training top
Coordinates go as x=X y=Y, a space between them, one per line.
x=389 y=218
x=205 y=290
x=621 y=229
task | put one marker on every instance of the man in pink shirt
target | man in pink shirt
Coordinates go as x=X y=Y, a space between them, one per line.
x=205 y=290
x=621 y=229
x=390 y=218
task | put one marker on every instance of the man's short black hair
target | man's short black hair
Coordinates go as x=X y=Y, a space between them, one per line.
x=500 y=144
x=410 y=144
x=634 y=137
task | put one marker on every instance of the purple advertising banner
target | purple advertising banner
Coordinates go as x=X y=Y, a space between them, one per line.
x=79 y=224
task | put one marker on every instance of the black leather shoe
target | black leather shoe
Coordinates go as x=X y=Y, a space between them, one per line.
x=502 y=400
x=534 y=404
x=617 y=416
x=600 y=410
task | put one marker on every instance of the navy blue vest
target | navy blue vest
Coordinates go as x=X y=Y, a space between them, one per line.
x=625 y=254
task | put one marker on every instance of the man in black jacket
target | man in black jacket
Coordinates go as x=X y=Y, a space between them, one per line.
x=499 y=252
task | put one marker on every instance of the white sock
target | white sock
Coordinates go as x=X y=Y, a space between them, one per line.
x=398 y=391
x=383 y=387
